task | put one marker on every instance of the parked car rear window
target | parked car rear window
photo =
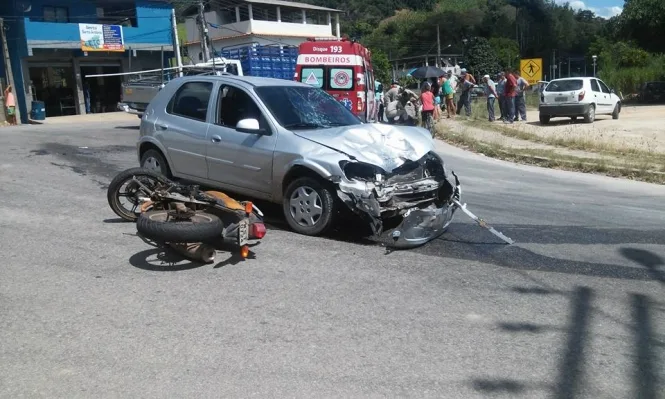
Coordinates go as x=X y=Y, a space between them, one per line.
x=305 y=107
x=565 y=85
x=191 y=100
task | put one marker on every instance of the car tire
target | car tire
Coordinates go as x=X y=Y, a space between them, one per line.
x=544 y=119
x=297 y=208
x=155 y=161
x=617 y=110
x=590 y=115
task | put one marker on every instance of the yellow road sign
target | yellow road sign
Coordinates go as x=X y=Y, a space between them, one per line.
x=531 y=69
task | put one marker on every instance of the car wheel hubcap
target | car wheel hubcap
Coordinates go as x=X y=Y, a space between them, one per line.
x=592 y=112
x=306 y=206
x=152 y=163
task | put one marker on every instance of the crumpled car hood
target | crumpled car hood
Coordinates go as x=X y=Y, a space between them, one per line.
x=385 y=146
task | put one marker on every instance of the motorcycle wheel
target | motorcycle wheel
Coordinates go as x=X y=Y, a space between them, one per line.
x=159 y=226
x=132 y=192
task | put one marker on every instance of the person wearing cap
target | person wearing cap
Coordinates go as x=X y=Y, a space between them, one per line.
x=490 y=93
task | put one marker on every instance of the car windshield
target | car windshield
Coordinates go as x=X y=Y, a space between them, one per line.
x=565 y=85
x=297 y=107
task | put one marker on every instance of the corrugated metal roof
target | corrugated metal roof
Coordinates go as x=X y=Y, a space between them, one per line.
x=291 y=4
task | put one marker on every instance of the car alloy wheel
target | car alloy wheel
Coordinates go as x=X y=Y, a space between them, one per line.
x=309 y=206
x=154 y=161
x=306 y=206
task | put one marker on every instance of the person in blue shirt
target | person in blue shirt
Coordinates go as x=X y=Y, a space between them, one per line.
x=500 y=84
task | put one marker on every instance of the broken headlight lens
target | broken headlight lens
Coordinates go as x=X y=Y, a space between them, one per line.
x=360 y=171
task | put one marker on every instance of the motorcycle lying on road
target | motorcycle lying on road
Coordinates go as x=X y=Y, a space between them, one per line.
x=191 y=221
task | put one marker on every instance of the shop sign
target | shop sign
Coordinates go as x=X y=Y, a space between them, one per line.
x=96 y=37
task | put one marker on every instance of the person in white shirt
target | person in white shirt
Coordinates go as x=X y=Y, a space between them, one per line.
x=520 y=99
x=490 y=92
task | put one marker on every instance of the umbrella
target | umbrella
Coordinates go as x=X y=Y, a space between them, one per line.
x=427 y=72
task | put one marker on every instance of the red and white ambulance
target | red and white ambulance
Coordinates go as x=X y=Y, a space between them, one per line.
x=341 y=67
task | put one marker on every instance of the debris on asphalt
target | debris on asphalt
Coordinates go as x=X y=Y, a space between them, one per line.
x=482 y=223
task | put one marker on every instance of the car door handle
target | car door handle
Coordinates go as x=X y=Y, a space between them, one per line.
x=162 y=126
x=216 y=139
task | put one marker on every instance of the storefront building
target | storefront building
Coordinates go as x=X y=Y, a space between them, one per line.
x=55 y=44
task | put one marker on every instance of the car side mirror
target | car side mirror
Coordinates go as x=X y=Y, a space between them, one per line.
x=612 y=91
x=249 y=125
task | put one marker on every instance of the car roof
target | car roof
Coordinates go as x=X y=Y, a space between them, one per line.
x=575 y=78
x=254 y=81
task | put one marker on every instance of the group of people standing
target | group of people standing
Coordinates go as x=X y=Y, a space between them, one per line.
x=438 y=94
x=509 y=89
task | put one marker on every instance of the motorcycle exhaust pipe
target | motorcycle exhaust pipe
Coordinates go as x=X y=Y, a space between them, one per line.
x=195 y=251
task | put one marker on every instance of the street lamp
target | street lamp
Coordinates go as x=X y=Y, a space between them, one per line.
x=594 y=57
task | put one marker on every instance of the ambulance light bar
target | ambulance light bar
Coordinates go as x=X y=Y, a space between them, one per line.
x=324 y=39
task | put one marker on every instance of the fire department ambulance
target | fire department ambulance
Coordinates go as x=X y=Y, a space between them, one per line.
x=341 y=67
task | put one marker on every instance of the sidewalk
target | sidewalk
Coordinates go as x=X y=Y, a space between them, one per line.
x=118 y=116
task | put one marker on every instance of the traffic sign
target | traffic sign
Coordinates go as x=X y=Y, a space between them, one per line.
x=532 y=69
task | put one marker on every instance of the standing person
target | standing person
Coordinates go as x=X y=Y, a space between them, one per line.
x=467 y=83
x=449 y=94
x=86 y=96
x=10 y=105
x=510 y=91
x=379 y=99
x=427 y=100
x=501 y=99
x=520 y=99
x=454 y=82
x=490 y=92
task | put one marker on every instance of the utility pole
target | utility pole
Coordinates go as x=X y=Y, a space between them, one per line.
x=176 y=43
x=8 y=71
x=438 y=46
x=203 y=29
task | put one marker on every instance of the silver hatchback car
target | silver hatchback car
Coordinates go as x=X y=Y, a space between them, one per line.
x=296 y=145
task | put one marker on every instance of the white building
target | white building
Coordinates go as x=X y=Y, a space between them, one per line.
x=262 y=22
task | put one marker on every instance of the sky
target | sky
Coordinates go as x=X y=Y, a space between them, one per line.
x=602 y=8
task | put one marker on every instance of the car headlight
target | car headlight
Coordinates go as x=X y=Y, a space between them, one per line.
x=360 y=171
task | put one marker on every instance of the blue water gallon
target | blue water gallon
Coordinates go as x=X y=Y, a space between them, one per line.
x=38 y=111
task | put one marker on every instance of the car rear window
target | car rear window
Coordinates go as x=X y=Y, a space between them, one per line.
x=565 y=85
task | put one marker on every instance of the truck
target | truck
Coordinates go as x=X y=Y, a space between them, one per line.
x=144 y=85
x=270 y=61
x=245 y=59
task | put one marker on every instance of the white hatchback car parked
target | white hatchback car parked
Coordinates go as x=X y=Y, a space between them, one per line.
x=578 y=97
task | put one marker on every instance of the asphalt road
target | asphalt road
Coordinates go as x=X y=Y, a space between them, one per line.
x=573 y=309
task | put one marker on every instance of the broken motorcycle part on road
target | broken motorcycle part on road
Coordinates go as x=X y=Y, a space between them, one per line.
x=188 y=220
x=482 y=223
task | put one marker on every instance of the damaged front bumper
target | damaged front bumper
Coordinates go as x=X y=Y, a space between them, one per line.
x=423 y=206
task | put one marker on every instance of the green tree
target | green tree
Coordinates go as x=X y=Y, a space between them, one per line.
x=507 y=52
x=480 y=57
x=382 y=71
x=644 y=22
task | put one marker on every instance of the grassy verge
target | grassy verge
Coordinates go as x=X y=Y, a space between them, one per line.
x=550 y=159
x=650 y=160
